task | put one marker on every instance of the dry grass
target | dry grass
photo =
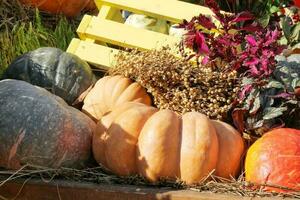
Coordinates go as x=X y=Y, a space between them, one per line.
x=99 y=175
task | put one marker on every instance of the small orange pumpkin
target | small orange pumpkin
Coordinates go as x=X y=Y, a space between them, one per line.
x=135 y=138
x=275 y=159
x=70 y=8
x=111 y=91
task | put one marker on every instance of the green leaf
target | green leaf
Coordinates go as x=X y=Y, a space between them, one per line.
x=247 y=81
x=295 y=33
x=264 y=20
x=256 y=105
x=296 y=83
x=274 y=9
x=284 y=69
x=283 y=41
x=286 y=27
x=274 y=84
x=273 y=112
x=258 y=124
x=295 y=102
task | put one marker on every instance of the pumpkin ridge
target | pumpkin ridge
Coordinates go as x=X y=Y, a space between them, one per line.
x=108 y=92
x=133 y=86
x=128 y=132
x=111 y=91
x=198 y=149
x=163 y=154
x=119 y=86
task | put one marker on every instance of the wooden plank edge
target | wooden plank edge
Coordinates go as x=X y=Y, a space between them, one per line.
x=131 y=37
x=98 y=55
x=73 y=46
x=84 y=24
x=150 y=8
x=37 y=189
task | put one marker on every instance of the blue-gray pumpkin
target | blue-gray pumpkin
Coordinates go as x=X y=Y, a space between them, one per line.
x=39 y=128
x=61 y=73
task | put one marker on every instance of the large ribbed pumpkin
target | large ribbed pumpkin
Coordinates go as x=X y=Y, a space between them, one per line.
x=39 y=128
x=275 y=159
x=110 y=92
x=68 y=7
x=139 y=139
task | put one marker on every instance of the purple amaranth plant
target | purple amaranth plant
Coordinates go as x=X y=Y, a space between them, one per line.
x=212 y=42
x=249 y=49
x=258 y=57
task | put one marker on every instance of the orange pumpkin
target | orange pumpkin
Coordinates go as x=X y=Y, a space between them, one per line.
x=110 y=92
x=139 y=139
x=231 y=147
x=70 y=8
x=275 y=159
x=91 y=5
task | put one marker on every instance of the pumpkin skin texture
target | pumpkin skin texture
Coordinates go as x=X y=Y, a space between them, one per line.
x=111 y=91
x=39 y=128
x=69 y=8
x=135 y=138
x=231 y=149
x=159 y=146
x=126 y=126
x=63 y=74
x=274 y=159
x=199 y=147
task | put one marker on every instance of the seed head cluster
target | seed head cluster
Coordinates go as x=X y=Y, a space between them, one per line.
x=179 y=85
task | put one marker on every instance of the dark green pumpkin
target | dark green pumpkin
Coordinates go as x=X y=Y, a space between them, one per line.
x=39 y=128
x=63 y=74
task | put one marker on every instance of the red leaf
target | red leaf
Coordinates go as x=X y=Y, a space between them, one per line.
x=251 y=27
x=200 y=41
x=252 y=61
x=243 y=16
x=206 y=22
x=251 y=40
x=246 y=89
x=253 y=70
x=238 y=119
x=205 y=60
x=189 y=40
x=212 y=4
x=283 y=95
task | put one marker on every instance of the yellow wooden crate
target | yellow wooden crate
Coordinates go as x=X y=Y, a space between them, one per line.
x=95 y=32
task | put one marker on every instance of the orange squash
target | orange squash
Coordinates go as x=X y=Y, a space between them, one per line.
x=70 y=8
x=110 y=92
x=135 y=138
x=231 y=147
x=275 y=159
x=91 y=5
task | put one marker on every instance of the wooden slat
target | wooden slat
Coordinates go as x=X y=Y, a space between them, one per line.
x=73 y=45
x=98 y=55
x=84 y=24
x=107 y=12
x=170 y=10
x=123 y=35
x=36 y=190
